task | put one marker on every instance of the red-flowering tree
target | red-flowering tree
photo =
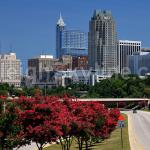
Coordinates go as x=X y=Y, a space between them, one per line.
x=35 y=125
x=46 y=119
x=63 y=119
x=8 y=127
x=92 y=120
x=84 y=124
x=25 y=103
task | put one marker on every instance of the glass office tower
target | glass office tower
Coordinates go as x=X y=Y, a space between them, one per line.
x=70 y=42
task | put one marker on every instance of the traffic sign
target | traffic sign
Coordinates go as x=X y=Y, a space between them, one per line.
x=121 y=118
x=121 y=124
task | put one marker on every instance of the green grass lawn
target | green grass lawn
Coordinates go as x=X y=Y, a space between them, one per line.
x=113 y=143
x=146 y=109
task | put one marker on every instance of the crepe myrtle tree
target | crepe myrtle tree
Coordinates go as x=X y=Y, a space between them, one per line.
x=46 y=119
x=92 y=120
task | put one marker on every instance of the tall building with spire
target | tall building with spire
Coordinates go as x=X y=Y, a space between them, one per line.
x=60 y=27
x=102 y=42
x=70 y=42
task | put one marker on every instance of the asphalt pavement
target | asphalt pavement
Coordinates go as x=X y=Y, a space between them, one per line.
x=28 y=147
x=139 y=130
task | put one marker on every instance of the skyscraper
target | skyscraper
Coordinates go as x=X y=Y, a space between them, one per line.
x=126 y=48
x=70 y=42
x=60 y=27
x=102 y=42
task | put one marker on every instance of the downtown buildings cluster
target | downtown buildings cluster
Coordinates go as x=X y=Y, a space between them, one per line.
x=80 y=57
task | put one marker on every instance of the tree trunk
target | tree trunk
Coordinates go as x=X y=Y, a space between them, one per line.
x=86 y=145
x=62 y=144
x=80 y=143
x=66 y=143
x=40 y=147
x=91 y=141
x=69 y=142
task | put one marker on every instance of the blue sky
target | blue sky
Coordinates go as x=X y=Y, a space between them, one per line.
x=28 y=26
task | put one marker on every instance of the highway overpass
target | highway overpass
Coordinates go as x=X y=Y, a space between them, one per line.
x=114 y=99
x=120 y=102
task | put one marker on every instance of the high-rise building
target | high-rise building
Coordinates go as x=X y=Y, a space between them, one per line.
x=102 y=42
x=10 y=71
x=60 y=27
x=139 y=64
x=70 y=42
x=126 y=48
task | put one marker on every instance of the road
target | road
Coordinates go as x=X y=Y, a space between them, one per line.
x=28 y=147
x=139 y=130
x=32 y=146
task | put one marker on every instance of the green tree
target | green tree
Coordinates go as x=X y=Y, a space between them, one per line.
x=8 y=128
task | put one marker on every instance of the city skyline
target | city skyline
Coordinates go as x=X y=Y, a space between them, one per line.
x=30 y=26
